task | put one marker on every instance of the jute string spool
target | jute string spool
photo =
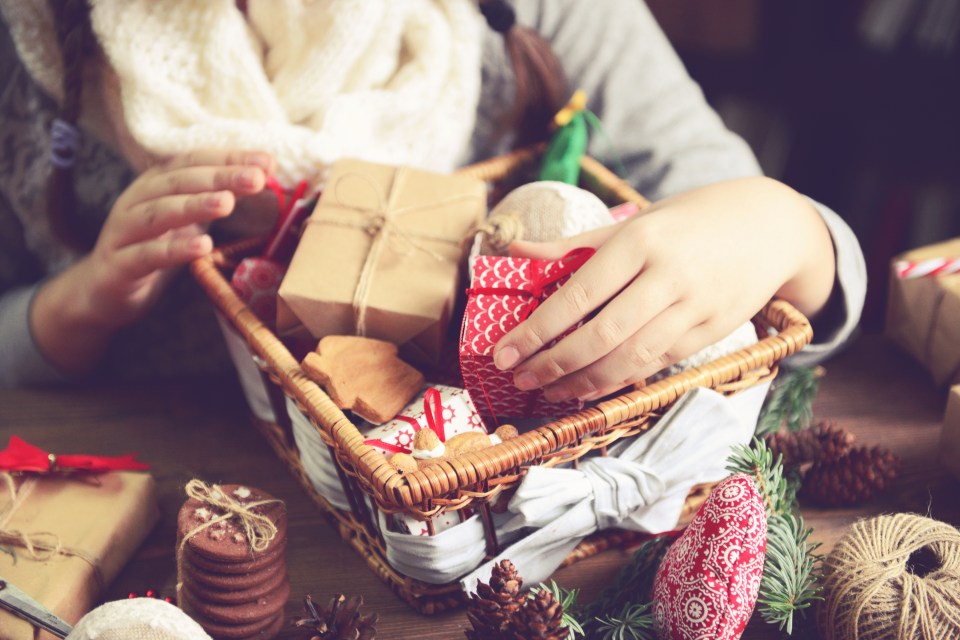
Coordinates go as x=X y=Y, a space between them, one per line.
x=893 y=576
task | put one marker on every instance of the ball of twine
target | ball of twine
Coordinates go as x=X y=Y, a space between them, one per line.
x=893 y=576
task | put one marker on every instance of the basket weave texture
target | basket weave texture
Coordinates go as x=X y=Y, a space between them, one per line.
x=475 y=480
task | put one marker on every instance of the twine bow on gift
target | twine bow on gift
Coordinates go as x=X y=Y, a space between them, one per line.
x=542 y=279
x=432 y=411
x=641 y=487
x=380 y=222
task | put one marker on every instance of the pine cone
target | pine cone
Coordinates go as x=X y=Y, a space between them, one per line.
x=852 y=479
x=341 y=620
x=491 y=609
x=823 y=442
x=540 y=617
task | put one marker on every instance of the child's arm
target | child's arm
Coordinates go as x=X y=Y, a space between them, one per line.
x=157 y=224
x=669 y=282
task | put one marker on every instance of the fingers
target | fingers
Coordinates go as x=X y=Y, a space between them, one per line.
x=170 y=250
x=598 y=280
x=639 y=303
x=660 y=343
x=222 y=158
x=556 y=250
x=240 y=180
x=155 y=217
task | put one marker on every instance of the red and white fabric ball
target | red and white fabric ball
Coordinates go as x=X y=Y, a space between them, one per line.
x=257 y=281
x=708 y=582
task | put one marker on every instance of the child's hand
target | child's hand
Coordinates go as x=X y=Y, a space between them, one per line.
x=667 y=283
x=159 y=222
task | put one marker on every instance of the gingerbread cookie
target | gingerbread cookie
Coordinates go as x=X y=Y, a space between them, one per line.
x=363 y=375
x=428 y=449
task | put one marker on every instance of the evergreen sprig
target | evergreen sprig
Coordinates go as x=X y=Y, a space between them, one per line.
x=790 y=401
x=633 y=587
x=568 y=602
x=791 y=569
x=634 y=622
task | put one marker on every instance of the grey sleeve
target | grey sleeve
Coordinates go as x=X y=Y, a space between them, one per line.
x=659 y=125
x=21 y=362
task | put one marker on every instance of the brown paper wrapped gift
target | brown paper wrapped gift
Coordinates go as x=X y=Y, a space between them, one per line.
x=98 y=521
x=923 y=314
x=380 y=256
x=950 y=437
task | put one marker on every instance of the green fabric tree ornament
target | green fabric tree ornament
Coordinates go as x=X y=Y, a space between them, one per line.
x=561 y=161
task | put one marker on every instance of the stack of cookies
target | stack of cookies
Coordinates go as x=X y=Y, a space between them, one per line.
x=233 y=591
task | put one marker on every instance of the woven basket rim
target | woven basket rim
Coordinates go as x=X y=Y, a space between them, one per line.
x=398 y=491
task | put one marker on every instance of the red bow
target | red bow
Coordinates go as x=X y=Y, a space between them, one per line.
x=432 y=410
x=283 y=237
x=540 y=280
x=21 y=456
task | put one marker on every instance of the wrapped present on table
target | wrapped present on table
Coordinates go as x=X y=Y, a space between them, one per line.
x=380 y=257
x=65 y=537
x=503 y=293
x=923 y=313
x=950 y=436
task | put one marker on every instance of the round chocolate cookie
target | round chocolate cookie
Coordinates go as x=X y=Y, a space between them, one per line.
x=269 y=632
x=262 y=585
x=259 y=629
x=229 y=581
x=266 y=606
x=226 y=541
x=255 y=562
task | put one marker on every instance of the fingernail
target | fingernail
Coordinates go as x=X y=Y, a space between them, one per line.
x=526 y=381
x=200 y=244
x=506 y=358
x=213 y=201
x=557 y=394
x=247 y=179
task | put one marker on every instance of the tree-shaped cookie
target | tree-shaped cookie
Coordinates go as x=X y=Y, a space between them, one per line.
x=363 y=375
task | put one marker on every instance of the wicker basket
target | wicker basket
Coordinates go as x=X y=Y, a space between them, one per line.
x=371 y=485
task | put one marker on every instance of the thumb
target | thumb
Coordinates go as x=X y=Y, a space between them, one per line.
x=556 y=249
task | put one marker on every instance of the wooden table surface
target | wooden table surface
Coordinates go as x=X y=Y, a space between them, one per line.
x=199 y=428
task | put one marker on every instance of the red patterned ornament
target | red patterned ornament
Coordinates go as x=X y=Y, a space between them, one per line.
x=707 y=584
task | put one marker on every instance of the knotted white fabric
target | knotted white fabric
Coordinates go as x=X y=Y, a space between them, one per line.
x=642 y=485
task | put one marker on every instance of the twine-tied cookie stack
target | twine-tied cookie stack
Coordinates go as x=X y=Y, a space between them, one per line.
x=231 y=561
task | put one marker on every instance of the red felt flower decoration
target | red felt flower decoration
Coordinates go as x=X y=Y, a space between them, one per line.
x=21 y=456
x=707 y=584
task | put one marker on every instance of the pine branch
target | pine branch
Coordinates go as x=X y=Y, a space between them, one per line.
x=568 y=602
x=790 y=401
x=634 y=622
x=791 y=570
x=790 y=574
x=757 y=461
x=634 y=584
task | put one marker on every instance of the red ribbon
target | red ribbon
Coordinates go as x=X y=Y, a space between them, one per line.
x=21 y=456
x=283 y=236
x=432 y=410
x=540 y=281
